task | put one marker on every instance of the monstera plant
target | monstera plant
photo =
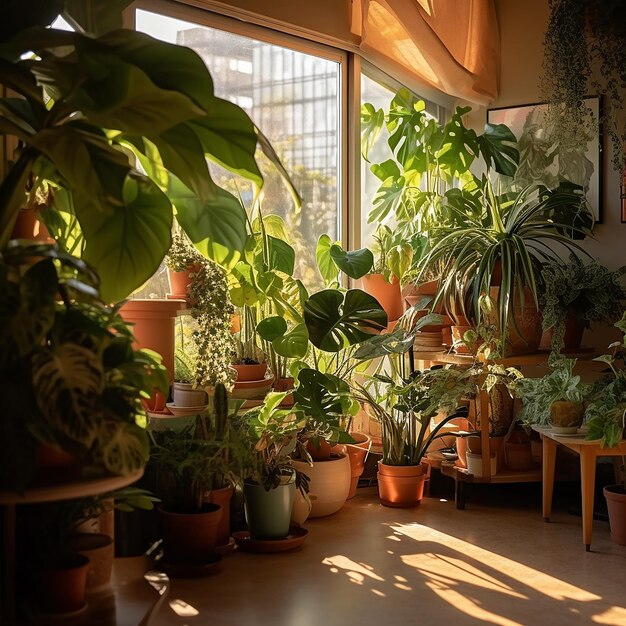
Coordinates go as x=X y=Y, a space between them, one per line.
x=86 y=102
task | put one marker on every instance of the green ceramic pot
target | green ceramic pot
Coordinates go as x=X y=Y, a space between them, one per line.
x=268 y=513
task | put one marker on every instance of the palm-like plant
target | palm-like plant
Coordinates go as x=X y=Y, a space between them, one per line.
x=516 y=232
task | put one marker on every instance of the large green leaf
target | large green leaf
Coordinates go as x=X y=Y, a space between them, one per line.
x=217 y=227
x=372 y=121
x=325 y=264
x=355 y=264
x=460 y=145
x=127 y=247
x=336 y=320
x=317 y=395
x=124 y=448
x=291 y=344
x=499 y=145
x=229 y=138
x=91 y=168
x=281 y=255
x=387 y=199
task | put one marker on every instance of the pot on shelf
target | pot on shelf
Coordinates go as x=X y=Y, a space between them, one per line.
x=401 y=486
x=387 y=294
x=268 y=513
x=255 y=371
x=475 y=464
x=329 y=482
x=29 y=226
x=179 y=283
x=184 y=394
x=496 y=448
x=573 y=338
x=616 y=502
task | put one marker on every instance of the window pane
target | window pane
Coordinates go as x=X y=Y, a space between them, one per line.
x=294 y=98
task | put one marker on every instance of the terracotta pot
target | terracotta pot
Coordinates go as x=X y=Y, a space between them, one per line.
x=221 y=497
x=616 y=502
x=357 y=453
x=61 y=584
x=155 y=403
x=54 y=465
x=388 y=295
x=401 y=486
x=574 y=331
x=184 y=394
x=179 y=283
x=457 y=333
x=251 y=389
x=496 y=448
x=153 y=326
x=29 y=226
x=475 y=464
x=329 y=482
x=412 y=294
x=320 y=449
x=190 y=537
x=461 y=451
x=302 y=505
x=566 y=417
x=250 y=372
x=100 y=550
x=283 y=384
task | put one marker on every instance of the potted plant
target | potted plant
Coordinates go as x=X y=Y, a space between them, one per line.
x=68 y=370
x=576 y=294
x=188 y=464
x=271 y=483
x=181 y=261
x=555 y=399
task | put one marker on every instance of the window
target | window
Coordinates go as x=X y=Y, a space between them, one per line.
x=295 y=99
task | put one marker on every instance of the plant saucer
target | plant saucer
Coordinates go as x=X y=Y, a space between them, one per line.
x=293 y=540
x=182 y=411
x=227 y=547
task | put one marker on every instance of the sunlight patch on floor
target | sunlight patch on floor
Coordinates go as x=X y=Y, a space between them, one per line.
x=612 y=616
x=182 y=609
x=445 y=569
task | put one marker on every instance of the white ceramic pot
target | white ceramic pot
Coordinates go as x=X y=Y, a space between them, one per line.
x=329 y=483
x=185 y=395
x=475 y=464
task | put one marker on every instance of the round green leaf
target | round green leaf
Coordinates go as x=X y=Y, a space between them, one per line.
x=355 y=264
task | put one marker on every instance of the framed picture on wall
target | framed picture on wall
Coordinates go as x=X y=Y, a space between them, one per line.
x=544 y=159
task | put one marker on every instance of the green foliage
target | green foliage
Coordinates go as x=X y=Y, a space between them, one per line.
x=87 y=99
x=589 y=291
x=336 y=320
x=68 y=368
x=538 y=394
x=272 y=435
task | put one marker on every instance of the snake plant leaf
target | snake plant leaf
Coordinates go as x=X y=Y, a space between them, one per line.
x=372 y=121
x=282 y=256
x=127 y=247
x=498 y=145
x=336 y=320
x=355 y=263
x=95 y=17
x=325 y=263
x=217 y=227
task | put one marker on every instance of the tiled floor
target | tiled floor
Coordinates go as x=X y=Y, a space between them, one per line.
x=497 y=562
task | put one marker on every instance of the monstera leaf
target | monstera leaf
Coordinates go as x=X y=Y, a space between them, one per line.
x=499 y=145
x=319 y=396
x=292 y=344
x=336 y=320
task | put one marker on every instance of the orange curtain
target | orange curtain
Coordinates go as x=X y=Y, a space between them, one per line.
x=452 y=45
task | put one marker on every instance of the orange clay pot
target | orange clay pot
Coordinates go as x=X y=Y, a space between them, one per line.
x=388 y=295
x=401 y=486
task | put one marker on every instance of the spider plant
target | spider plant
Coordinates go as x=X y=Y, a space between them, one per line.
x=513 y=231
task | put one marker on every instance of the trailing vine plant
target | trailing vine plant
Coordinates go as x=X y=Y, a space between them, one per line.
x=585 y=53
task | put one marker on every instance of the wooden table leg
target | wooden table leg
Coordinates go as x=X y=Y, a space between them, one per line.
x=587 y=487
x=459 y=494
x=7 y=606
x=548 y=464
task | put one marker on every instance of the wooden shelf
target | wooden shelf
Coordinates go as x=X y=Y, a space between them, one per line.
x=535 y=358
x=503 y=476
x=86 y=486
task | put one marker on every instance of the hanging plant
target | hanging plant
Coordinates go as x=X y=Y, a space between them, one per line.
x=585 y=53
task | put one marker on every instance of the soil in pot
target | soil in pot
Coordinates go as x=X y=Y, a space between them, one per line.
x=61 y=583
x=566 y=417
x=190 y=536
x=401 y=486
x=268 y=512
x=616 y=502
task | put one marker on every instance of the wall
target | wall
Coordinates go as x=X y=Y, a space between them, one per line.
x=522 y=28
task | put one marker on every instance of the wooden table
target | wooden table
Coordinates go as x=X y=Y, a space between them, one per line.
x=589 y=451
